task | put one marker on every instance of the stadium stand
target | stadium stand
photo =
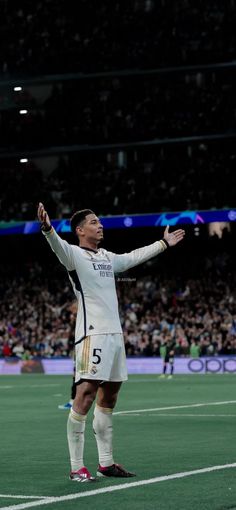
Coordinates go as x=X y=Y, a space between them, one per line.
x=188 y=177
x=37 y=311
x=139 y=120
x=49 y=37
x=121 y=109
x=120 y=120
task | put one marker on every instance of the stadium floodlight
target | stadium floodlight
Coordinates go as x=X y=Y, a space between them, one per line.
x=24 y=160
x=23 y=112
x=17 y=89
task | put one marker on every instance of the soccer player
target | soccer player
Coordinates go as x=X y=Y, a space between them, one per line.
x=99 y=345
x=168 y=353
x=68 y=405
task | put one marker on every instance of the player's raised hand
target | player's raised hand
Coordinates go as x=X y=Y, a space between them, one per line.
x=175 y=237
x=43 y=218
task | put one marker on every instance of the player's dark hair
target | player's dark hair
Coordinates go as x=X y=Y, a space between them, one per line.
x=78 y=218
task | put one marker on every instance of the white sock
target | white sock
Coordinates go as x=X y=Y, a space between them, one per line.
x=75 y=435
x=102 y=426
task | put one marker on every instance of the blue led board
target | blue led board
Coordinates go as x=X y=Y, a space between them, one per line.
x=133 y=220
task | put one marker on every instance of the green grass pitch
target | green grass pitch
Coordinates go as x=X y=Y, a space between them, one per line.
x=152 y=441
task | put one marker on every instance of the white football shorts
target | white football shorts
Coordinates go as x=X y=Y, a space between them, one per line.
x=101 y=357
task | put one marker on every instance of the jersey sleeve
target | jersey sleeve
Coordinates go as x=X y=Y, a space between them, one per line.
x=62 y=249
x=127 y=260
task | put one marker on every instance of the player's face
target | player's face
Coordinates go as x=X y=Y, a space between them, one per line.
x=91 y=229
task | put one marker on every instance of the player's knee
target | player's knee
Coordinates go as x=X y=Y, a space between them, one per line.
x=84 y=399
x=108 y=401
x=83 y=404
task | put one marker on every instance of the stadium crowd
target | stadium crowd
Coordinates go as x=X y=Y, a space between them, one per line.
x=121 y=110
x=187 y=177
x=118 y=109
x=50 y=37
x=37 y=313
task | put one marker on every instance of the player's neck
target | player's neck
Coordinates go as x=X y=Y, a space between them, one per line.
x=90 y=245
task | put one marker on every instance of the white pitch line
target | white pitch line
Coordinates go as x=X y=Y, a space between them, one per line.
x=113 y=488
x=188 y=415
x=31 y=386
x=21 y=496
x=187 y=406
x=45 y=385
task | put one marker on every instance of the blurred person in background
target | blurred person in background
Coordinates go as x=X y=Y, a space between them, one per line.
x=167 y=351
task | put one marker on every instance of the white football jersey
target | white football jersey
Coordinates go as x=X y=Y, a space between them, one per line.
x=92 y=277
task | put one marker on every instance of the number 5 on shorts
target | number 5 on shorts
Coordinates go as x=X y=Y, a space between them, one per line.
x=96 y=355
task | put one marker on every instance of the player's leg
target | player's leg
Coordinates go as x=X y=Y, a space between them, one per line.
x=107 y=394
x=68 y=405
x=73 y=391
x=165 y=363
x=171 y=367
x=73 y=388
x=102 y=423
x=106 y=400
x=94 y=357
x=85 y=394
x=86 y=388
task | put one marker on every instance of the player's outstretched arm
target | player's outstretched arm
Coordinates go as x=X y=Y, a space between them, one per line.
x=173 y=238
x=44 y=218
x=127 y=260
x=61 y=248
